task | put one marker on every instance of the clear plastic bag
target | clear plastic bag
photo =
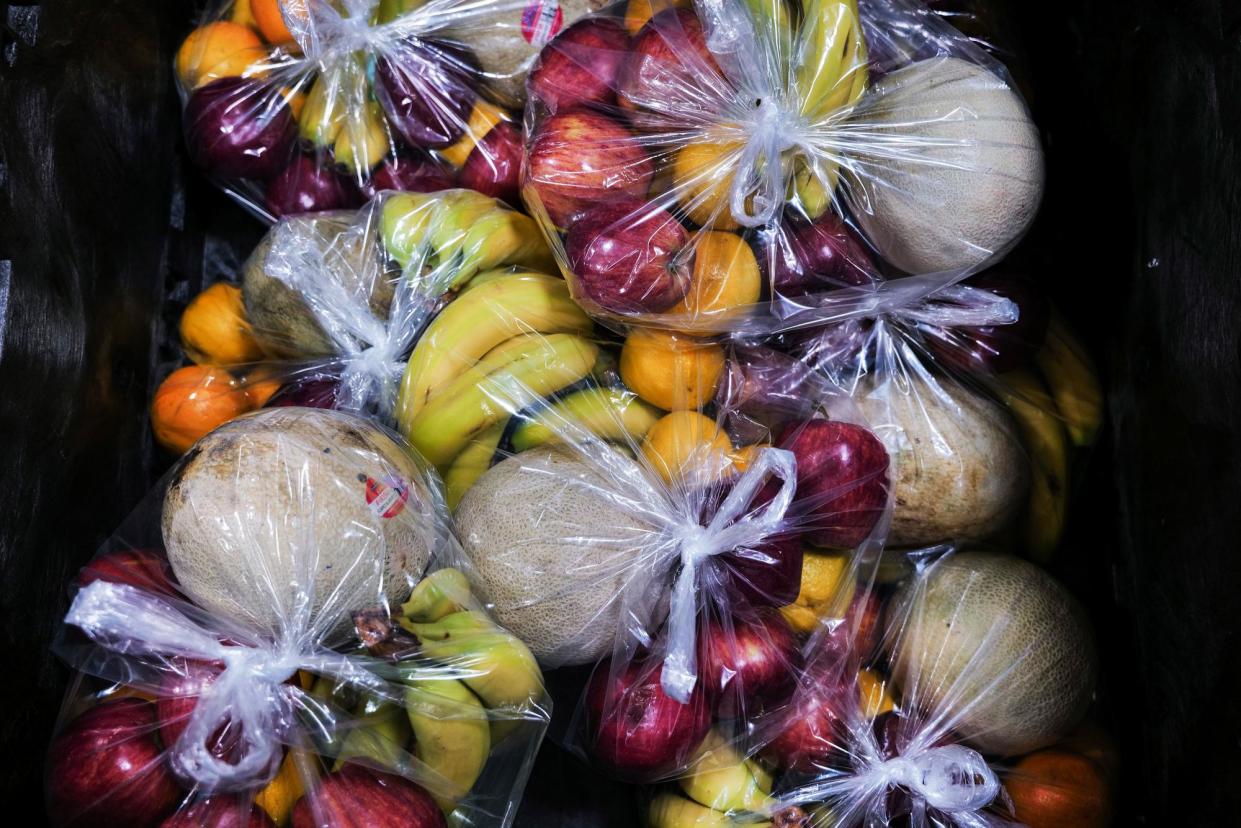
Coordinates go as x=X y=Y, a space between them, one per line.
x=297 y=106
x=753 y=165
x=951 y=692
x=285 y=632
x=329 y=307
x=628 y=524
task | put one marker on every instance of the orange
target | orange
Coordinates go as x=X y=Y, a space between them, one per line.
x=725 y=277
x=288 y=785
x=193 y=401
x=214 y=330
x=268 y=17
x=1057 y=788
x=702 y=174
x=822 y=577
x=260 y=391
x=483 y=117
x=873 y=693
x=218 y=50
x=638 y=12
x=669 y=370
x=685 y=445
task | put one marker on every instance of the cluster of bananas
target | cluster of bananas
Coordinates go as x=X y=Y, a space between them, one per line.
x=725 y=789
x=469 y=685
x=1059 y=408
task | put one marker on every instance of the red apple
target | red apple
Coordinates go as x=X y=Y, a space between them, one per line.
x=176 y=699
x=580 y=65
x=766 y=385
x=358 y=796
x=769 y=573
x=637 y=731
x=669 y=70
x=311 y=393
x=140 y=568
x=800 y=257
x=865 y=623
x=842 y=480
x=624 y=254
x=426 y=89
x=411 y=174
x=309 y=185
x=994 y=349
x=812 y=734
x=493 y=167
x=748 y=664
x=107 y=768
x=220 y=812
x=239 y=128
x=579 y=158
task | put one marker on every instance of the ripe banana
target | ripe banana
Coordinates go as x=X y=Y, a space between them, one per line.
x=813 y=195
x=498 y=667
x=487 y=393
x=478 y=320
x=441 y=593
x=610 y=413
x=1048 y=449
x=361 y=144
x=327 y=104
x=452 y=736
x=1073 y=382
x=380 y=734
x=670 y=810
x=472 y=463
x=723 y=781
x=831 y=65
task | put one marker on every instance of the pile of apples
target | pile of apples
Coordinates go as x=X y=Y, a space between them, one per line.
x=293 y=133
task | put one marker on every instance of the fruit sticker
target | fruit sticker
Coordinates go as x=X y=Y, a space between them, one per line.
x=386 y=499
x=540 y=21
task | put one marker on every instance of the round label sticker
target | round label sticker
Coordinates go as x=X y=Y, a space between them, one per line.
x=540 y=21
x=386 y=499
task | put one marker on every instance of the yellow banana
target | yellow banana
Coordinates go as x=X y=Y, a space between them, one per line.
x=478 y=320
x=498 y=667
x=472 y=463
x=813 y=195
x=484 y=395
x=379 y=734
x=328 y=103
x=1074 y=384
x=1047 y=445
x=361 y=144
x=831 y=66
x=441 y=593
x=670 y=810
x=451 y=736
x=610 y=413
x=723 y=781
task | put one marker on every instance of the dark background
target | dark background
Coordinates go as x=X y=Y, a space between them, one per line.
x=104 y=232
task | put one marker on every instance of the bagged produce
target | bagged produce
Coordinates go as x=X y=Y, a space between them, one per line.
x=329 y=306
x=625 y=524
x=285 y=632
x=951 y=695
x=751 y=165
x=296 y=106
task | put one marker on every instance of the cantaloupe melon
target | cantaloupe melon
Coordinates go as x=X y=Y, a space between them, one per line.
x=286 y=520
x=315 y=248
x=998 y=646
x=945 y=169
x=961 y=471
x=554 y=551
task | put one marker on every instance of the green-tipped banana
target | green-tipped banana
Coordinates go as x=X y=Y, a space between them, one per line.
x=441 y=593
x=497 y=666
x=1073 y=382
x=451 y=736
x=332 y=696
x=380 y=734
x=610 y=413
x=670 y=810
x=831 y=64
x=479 y=398
x=477 y=321
x=472 y=463
x=362 y=143
x=723 y=781
x=1048 y=448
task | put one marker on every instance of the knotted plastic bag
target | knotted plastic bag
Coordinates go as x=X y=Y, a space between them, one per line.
x=285 y=631
x=298 y=106
x=725 y=165
x=329 y=307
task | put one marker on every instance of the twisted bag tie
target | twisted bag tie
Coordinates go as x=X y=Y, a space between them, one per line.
x=249 y=694
x=371 y=349
x=731 y=527
x=954 y=779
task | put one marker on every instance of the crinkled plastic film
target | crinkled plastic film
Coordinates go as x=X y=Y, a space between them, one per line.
x=755 y=167
x=286 y=632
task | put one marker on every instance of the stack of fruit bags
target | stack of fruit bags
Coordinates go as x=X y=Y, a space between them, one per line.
x=330 y=304
x=285 y=632
x=305 y=105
